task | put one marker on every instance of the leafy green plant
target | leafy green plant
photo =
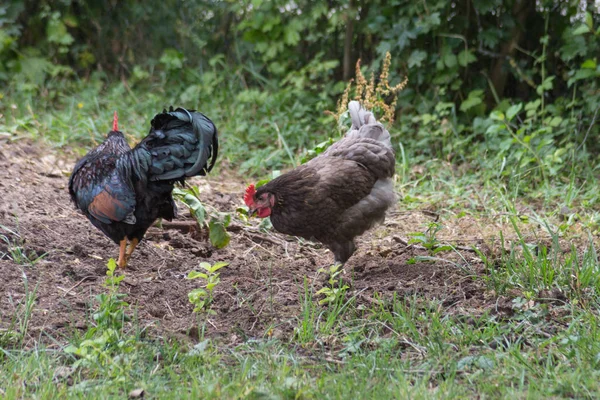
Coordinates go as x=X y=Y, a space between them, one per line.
x=216 y=222
x=428 y=239
x=105 y=344
x=336 y=290
x=202 y=298
x=318 y=149
x=111 y=308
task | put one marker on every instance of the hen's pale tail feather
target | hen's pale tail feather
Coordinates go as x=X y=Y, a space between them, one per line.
x=364 y=124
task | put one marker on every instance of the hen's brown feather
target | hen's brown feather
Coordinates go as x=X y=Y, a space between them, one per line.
x=339 y=194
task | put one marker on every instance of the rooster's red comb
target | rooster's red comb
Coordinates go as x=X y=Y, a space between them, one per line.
x=115 y=122
x=249 y=195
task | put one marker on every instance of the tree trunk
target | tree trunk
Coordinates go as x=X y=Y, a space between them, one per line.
x=360 y=38
x=350 y=17
x=499 y=73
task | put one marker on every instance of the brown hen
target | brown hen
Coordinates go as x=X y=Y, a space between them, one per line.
x=339 y=194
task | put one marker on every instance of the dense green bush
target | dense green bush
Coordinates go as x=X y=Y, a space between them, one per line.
x=510 y=86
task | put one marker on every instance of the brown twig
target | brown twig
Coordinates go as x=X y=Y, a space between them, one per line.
x=183 y=226
x=67 y=291
x=187 y=226
x=255 y=236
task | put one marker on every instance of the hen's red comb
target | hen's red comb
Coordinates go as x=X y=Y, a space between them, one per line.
x=115 y=122
x=249 y=195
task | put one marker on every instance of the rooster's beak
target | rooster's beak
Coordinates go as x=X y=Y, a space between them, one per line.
x=252 y=211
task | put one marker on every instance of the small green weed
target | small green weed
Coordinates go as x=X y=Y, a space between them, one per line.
x=202 y=298
x=305 y=332
x=15 y=248
x=17 y=330
x=106 y=345
x=427 y=239
x=336 y=289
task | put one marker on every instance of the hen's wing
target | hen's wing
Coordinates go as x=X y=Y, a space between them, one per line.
x=314 y=196
x=372 y=154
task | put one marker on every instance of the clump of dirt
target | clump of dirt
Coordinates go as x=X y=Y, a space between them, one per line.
x=261 y=287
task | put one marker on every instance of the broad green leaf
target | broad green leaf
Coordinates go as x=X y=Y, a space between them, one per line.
x=439 y=64
x=205 y=266
x=589 y=64
x=217 y=234
x=218 y=266
x=199 y=305
x=196 y=295
x=475 y=98
x=546 y=85
x=56 y=32
x=416 y=58
x=172 y=59
x=533 y=105
x=582 y=74
x=261 y=183
x=465 y=362
x=193 y=203
x=71 y=349
x=589 y=21
x=581 y=30
x=450 y=60
x=513 y=111
x=196 y=274
x=497 y=115
x=111 y=264
x=291 y=31
x=555 y=121
x=469 y=103
x=226 y=218
x=443 y=248
x=466 y=57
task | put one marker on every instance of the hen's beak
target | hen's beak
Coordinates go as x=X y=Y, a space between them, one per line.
x=252 y=211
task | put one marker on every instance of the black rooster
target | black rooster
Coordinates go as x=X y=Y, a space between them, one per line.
x=122 y=191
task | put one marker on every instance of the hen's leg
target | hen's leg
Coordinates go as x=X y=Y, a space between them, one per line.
x=343 y=251
x=122 y=263
x=132 y=246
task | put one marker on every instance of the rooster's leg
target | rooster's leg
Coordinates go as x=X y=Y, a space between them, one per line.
x=122 y=263
x=132 y=245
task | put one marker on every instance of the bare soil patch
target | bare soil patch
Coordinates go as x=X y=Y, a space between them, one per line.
x=260 y=290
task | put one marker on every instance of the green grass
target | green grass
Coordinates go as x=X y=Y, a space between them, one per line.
x=403 y=349
x=400 y=347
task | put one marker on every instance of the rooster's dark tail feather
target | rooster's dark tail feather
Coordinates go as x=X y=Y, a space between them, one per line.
x=181 y=143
